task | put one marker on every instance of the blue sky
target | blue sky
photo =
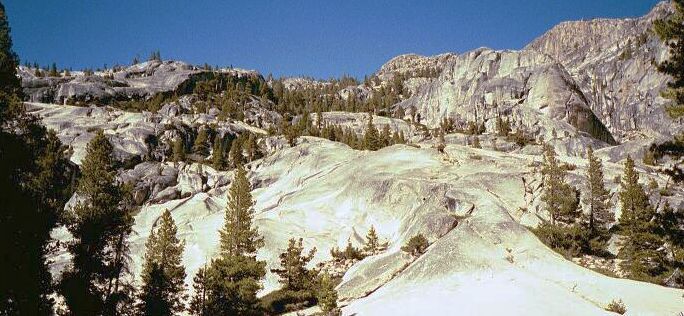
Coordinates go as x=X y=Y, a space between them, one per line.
x=319 y=38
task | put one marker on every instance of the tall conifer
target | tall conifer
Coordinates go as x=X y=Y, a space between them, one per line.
x=597 y=198
x=99 y=224
x=163 y=273
x=560 y=197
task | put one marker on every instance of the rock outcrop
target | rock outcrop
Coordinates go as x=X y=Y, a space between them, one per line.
x=612 y=62
x=138 y=81
x=531 y=89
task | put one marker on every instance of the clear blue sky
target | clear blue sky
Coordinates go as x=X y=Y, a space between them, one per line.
x=319 y=38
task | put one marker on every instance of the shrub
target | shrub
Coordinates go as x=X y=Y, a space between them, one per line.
x=617 y=307
x=568 y=241
x=416 y=245
x=350 y=252
x=326 y=294
x=520 y=138
x=285 y=301
x=649 y=158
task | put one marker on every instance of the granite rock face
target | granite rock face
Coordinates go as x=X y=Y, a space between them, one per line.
x=597 y=76
x=611 y=60
x=134 y=135
x=530 y=89
x=133 y=82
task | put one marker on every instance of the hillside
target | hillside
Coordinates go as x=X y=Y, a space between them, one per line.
x=581 y=84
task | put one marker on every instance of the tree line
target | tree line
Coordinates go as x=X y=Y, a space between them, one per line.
x=652 y=246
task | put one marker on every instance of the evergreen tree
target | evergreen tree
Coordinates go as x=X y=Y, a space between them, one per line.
x=200 y=146
x=416 y=245
x=371 y=139
x=598 y=198
x=99 y=224
x=671 y=32
x=238 y=237
x=155 y=56
x=53 y=71
x=163 y=273
x=11 y=85
x=560 y=197
x=230 y=284
x=326 y=294
x=218 y=156
x=250 y=147
x=34 y=181
x=235 y=154
x=669 y=223
x=636 y=208
x=293 y=272
x=178 y=150
x=198 y=305
x=643 y=260
x=372 y=245
x=386 y=136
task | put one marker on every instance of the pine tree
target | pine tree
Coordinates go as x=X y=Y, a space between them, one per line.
x=293 y=272
x=560 y=197
x=11 y=85
x=235 y=154
x=34 y=185
x=53 y=71
x=372 y=245
x=238 y=237
x=99 y=224
x=598 y=198
x=671 y=32
x=416 y=245
x=669 y=223
x=250 y=147
x=200 y=146
x=231 y=282
x=198 y=305
x=155 y=56
x=636 y=208
x=326 y=294
x=642 y=261
x=178 y=150
x=218 y=156
x=386 y=136
x=371 y=139
x=163 y=273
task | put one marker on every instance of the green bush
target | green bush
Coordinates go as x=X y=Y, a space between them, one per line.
x=326 y=294
x=285 y=301
x=568 y=241
x=350 y=252
x=617 y=307
x=416 y=245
